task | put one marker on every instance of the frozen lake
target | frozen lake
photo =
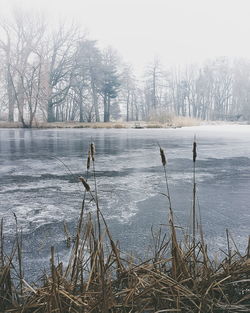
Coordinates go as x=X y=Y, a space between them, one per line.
x=43 y=193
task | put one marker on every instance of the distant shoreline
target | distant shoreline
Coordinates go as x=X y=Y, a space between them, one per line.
x=177 y=123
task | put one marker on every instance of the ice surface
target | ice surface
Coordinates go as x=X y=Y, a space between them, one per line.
x=43 y=192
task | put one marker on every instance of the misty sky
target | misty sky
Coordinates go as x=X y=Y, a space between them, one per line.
x=177 y=31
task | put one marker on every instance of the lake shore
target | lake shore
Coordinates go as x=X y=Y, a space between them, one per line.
x=174 y=123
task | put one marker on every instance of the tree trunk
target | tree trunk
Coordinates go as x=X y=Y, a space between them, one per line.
x=51 y=114
x=81 y=120
x=108 y=110
x=10 y=96
x=154 y=88
x=105 y=104
x=128 y=96
x=20 y=92
x=95 y=103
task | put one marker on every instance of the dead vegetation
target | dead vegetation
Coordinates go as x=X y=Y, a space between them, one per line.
x=172 y=121
x=180 y=276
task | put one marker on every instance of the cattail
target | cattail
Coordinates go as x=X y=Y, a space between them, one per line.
x=88 y=160
x=163 y=158
x=92 y=151
x=194 y=151
x=85 y=184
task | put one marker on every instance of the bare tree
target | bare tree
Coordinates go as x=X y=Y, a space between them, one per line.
x=23 y=36
x=128 y=91
x=60 y=64
x=6 y=47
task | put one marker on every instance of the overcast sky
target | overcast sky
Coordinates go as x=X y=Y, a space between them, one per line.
x=177 y=31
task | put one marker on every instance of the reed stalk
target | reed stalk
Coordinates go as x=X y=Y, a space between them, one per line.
x=194 y=191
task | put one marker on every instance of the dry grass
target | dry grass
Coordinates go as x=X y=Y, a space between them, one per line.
x=173 y=122
x=68 y=125
x=167 y=119
x=82 y=125
x=180 y=277
x=10 y=125
x=154 y=125
x=183 y=121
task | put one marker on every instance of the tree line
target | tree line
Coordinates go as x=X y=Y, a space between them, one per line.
x=58 y=74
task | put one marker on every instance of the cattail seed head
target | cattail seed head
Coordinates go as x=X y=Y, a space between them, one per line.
x=88 y=161
x=92 y=151
x=85 y=184
x=163 y=157
x=194 y=151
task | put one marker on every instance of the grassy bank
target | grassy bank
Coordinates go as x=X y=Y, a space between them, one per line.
x=99 y=277
x=175 y=122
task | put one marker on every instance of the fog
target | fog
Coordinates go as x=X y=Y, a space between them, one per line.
x=177 y=31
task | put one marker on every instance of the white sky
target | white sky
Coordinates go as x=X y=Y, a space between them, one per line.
x=177 y=31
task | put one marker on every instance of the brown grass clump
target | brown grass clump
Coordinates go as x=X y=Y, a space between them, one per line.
x=184 y=121
x=168 y=119
x=154 y=125
x=180 y=277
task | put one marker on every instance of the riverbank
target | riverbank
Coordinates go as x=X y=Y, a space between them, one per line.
x=180 y=277
x=174 y=123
